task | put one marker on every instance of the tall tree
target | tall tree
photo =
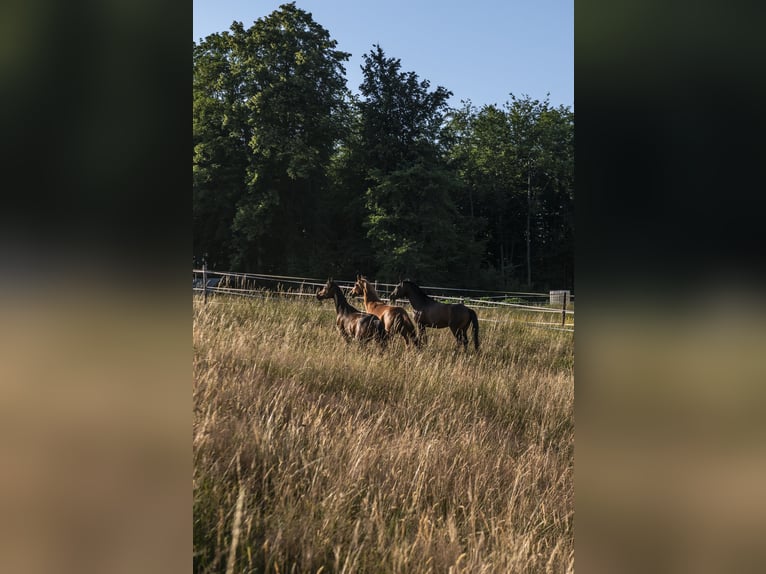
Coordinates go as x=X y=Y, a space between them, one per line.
x=542 y=138
x=554 y=205
x=287 y=114
x=293 y=174
x=527 y=145
x=349 y=248
x=482 y=153
x=413 y=222
x=516 y=164
x=220 y=155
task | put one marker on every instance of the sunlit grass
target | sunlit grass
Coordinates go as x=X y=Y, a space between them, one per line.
x=352 y=459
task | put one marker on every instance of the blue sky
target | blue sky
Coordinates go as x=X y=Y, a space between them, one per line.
x=481 y=50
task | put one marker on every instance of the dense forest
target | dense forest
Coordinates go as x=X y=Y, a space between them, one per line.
x=295 y=174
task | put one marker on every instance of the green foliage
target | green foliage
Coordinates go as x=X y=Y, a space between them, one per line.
x=517 y=162
x=219 y=157
x=292 y=174
x=272 y=98
x=401 y=119
x=412 y=220
x=414 y=225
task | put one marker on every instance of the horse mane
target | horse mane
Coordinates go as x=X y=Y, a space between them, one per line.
x=343 y=302
x=418 y=290
x=370 y=289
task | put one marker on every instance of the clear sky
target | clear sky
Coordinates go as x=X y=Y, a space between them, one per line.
x=481 y=50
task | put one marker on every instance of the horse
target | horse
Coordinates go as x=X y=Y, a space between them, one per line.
x=431 y=313
x=395 y=319
x=352 y=324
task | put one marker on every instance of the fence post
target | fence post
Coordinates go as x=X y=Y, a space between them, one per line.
x=204 y=282
x=564 y=310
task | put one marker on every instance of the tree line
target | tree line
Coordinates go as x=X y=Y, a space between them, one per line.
x=294 y=174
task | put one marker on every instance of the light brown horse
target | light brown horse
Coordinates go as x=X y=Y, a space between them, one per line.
x=352 y=323
x=431 y=313
x=395 y=319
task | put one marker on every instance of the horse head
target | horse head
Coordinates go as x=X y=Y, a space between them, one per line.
x=358 y=289
x=328 y=291
x=398 y=292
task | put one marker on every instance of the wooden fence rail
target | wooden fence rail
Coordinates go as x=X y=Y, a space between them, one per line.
x=253 y=285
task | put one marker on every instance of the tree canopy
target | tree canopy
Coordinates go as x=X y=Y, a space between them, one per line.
x=294 y=174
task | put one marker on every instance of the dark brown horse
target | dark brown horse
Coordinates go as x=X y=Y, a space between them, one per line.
x=395 y=319
x=352 y=323
x=431 y=313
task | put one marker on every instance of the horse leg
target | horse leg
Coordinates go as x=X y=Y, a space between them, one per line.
x=418 y=316
x=404 y=331
x=364 y=333
x=464 y=338
x=461 y=334
x=456 y=333
x=392 y=325
x=342 y=330
x=377 y=331
x=422 y=333
x=412 y=337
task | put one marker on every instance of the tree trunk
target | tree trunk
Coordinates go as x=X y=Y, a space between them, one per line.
x=501 y=234
x=529 y=235
x=502 y=262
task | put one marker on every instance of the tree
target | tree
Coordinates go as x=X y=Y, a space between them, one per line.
x=220 y=156
x=348 y=246
x=284 y=112
x=482 y=153
x=292 y=174
x=555 y=197
x=516 y=165
x=543 y=138
x=413 y=223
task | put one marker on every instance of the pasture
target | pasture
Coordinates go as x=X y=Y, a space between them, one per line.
x=312 y=454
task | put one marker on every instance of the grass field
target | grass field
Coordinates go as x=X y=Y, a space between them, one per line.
x=312 y=455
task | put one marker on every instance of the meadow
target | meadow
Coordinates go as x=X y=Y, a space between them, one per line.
x=314 y=455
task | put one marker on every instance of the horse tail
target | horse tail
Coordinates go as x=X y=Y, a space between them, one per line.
x=475 y=323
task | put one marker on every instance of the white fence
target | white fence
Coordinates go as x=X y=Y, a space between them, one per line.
x=258 y=285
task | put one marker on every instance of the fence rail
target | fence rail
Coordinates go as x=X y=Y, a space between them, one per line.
x=257 y=285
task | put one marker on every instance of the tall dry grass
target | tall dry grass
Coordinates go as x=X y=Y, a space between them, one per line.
x=313 y=455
